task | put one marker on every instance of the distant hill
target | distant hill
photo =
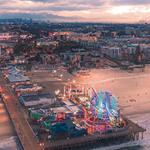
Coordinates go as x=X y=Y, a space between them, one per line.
x=38 y=16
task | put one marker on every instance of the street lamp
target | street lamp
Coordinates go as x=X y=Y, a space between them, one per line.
x=42 y=145
x=0 y=89
x=61 y=75
x=57 y=92
x=54 y=71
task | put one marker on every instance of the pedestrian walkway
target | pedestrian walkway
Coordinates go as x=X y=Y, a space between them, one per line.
x=20 y=123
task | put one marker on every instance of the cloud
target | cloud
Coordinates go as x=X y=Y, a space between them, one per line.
x=78 y=5
x=43 y=1
x=2 y=2
x=98 y=10
x=88 y=2
x=130 y=2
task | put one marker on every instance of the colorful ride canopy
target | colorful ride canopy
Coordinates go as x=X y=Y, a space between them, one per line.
x=104 y=106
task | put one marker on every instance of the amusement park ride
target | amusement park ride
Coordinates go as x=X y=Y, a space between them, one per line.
x=85 y=111
x=101 y=110
x=95 y=119
x=103 y=113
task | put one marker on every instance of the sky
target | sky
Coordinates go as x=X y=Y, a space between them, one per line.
x=117 y=11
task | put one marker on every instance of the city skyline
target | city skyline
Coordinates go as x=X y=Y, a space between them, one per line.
x=116 y=11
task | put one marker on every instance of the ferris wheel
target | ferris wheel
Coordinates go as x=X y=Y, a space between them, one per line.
x=104 y=105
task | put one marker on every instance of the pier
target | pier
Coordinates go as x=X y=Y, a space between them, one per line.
x=29 y=141
x=22 y=128
x=132 y=132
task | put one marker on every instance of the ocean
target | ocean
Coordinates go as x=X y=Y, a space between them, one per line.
x=144 y=121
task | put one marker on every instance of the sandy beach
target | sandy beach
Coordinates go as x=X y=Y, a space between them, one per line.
x=131 y=89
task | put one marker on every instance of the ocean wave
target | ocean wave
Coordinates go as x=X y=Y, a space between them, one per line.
x=144 y=121
x=11 y=143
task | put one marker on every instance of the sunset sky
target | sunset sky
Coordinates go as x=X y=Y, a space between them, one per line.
x=131 y=11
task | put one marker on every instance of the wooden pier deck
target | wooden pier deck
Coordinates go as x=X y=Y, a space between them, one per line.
x=133 y=131
x=22 y=128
